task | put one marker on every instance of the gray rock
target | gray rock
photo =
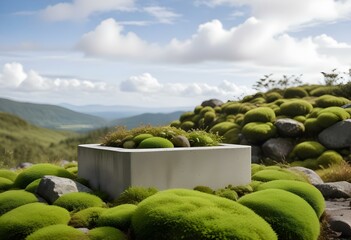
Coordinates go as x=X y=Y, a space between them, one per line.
x=277 y=148
x=212 y=103
x=84 y=230
x=51 y=187
x=339 y=216
x=256 y=154
x=180 y=141
x=287 y=127
x=312 y=176
x=346 y=105
x=335 y=189
x=337 y=136
x=24 y=165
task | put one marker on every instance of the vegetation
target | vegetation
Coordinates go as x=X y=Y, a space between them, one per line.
x=14 y=198
x=86 y=218
x=106 y=233
x=134 y=195
x=57 y=232
x=78 y=200
x=119 y=217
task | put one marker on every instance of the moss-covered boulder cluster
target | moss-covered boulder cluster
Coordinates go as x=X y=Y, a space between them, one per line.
x=298 y=114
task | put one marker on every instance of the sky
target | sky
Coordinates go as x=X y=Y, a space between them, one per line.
x=173 y=53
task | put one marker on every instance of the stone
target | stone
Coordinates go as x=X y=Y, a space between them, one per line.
x=180 y=141
x=51 y=187
x=256 y=154
x=346 y=105
x=278 y=149
x=335 y=189
x=287 y=127
x=312 y=176
x=339 y=216
x=24 y=165
x=337 y=136
x=212 y=103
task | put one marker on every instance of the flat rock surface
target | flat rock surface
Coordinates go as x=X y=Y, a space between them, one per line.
x=339 y=217
x=333 y=190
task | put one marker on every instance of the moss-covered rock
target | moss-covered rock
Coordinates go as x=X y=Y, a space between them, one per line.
x=5 y=173
x=78 y=200
x=118 y=217
x=310 y=163
x=273 y=96
x=331 y=115
x=38 y=171
x=202 y=139
x=187 y=116
x=295 y=92
x=58 y=232
x=156 y=142
x=260 y=114
x=134 y=195
x=231 y=108
x=258 y=132
x=296 y=108
x=232 y=136
x=86 y=218
x=267 y=175
x=290 y=216
x=106 y=233
x=186 y=214
x=305 y=190
x=32 y=187
x=175 y=123
x=139 y=138
x=204 y=189
x=223 y=127
x=329 y=158
x=14 y=198
x=324 y=90
x=24 y=220
x=5 y=184
x=330 y=101
x=312 y=126
x=187 y=125
x=227 y=193
x=308 y=149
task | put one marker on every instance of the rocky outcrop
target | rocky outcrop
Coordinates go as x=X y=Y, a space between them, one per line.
x=333 y=190
x=289 y=127
x=337 y=136
x=311 y=175
x=277 y=149
x=212 y=103
x=51 y=187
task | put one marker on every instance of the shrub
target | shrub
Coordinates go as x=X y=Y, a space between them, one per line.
x=305 y=190
x=295 y=92
x=257 y=132
x=5 y=184
x=118 y=217
x=78 y=200
x=223 y=127
x=86 y=218
x=57 y=232
x=227 y=193
x=267 y=175
x=260 y=114
x=291 y=217
x=24 y=220
x=134 y=195
x=329 y=158
x=308 y=149
x=331 y=101
x=14 y=198
x=273 y=96
x=5 y=173
x=38 y=171
x=187 y=214
x=32 y=187
x=336 y=173
x=106 y=233
x=156 y=142
x=295 y=108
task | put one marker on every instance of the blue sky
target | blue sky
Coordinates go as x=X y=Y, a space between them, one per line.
x=164 y=53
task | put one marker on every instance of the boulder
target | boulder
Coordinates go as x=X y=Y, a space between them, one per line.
x=337 y=136
x=339 y=217
x=312 y=176
x=24 y=165
x=256 y=154
x=287 y=127
x=212 y=103
x=335 y=189
x=180 y=141
x=277 y=148
x=346 y=105
x=51 y=187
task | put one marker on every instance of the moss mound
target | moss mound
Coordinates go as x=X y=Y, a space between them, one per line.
x=78 y=201
x=32 y=187
x=38 y=171
x=187 y=214
x=118 y=217
x=187 y=125
x=329 y=158
x=227 y=193
x=330 y=101
x=273 y=96
x=308 y=149
x=223 y=127
x=291 y=217
x=202 y=139
x=257 y=132
x=260 y=114
x=134 y=195
x=267 y=175
x=295 y=108
x=58 y=232
x=312 y=127
x=24 y=220
x=14 y=198
x=86 y=218
x=5 y=173
x=156 y=142
x=139 y=138
x=305 y=190
x=295 y=92
x=106 y=233
x=5 y=184
x=232 y=136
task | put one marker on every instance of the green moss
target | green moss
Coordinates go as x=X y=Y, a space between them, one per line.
x=38 y=171
x=175 y=123
x=24 y=220
x=325 y=120
x=291 y=217
x=197 y=109
x=118 y=217
x=139 y=138
x=134 y=195
x=156 y=142
x=232 y=136
x=227 y=193
x=106 y=233
x=295 y=92
x=185 y=214
x=258 y=132
x=260 y=114
x=5 y=173
x=14 y=198
x=341 y=113
x=308 y=149
x=204 y=189
x=267 y=175
x=86 y=218
x=57 y=232
x=273 y=96
x=187 y=116
x=256 y=168
x=78 y=200
x=245 y=107
x=223 y=127
x=295 y=108
x=329 y=158
x=187 y=125
x=305 y=190
x=232 y=108
x=73 y=170
x=206 y=109
x=32 y=187
x=5 y=184
x=209 y=117
x=312 y=127
x=323 y=90
x=202 y=139
x=300 y=119
x=330 y=101
x=310 y=163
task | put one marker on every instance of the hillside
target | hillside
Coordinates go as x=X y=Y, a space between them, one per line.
x=51 y=116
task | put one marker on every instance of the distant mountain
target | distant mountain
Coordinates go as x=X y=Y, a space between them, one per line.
x=154 y=119
x=51 y=116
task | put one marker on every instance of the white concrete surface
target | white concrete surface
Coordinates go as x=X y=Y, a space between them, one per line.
x=113 y=169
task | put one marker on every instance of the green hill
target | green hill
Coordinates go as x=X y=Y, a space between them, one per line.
x=51 y=116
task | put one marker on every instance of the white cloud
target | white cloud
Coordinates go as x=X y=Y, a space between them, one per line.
x=162 y=14
x=12 y=75
x=82 y=9
x=144 y=83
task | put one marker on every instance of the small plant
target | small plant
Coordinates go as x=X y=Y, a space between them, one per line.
x=335 y=173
